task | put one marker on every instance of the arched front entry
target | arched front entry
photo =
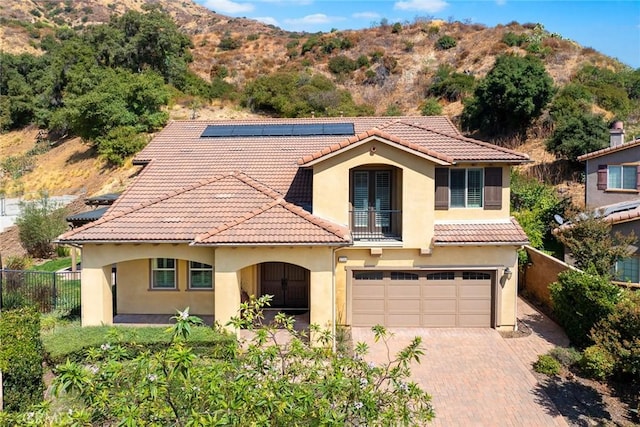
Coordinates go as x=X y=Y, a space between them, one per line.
x=287 y=283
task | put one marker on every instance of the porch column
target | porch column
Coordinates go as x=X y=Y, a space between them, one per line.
x=321 y=299
x=95 y=294
x=227 y=296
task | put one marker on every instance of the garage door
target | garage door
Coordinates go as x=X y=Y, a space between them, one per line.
x=422 y=299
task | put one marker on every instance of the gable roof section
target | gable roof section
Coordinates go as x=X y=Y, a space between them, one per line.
x=609 y=150
x=442 y=147
x=195 y=210
x=479 y=233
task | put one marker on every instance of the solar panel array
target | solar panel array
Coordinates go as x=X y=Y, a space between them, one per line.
x=316 y=129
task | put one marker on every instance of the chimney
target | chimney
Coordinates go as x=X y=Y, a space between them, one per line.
x=616 y=134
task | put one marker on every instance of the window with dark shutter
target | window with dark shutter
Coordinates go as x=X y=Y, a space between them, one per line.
x=493 y=188
x=602 y=177
x=442 y=189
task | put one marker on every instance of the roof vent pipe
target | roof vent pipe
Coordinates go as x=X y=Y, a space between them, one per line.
x=616 y=134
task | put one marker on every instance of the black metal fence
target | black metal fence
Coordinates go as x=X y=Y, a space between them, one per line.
x=46 y=290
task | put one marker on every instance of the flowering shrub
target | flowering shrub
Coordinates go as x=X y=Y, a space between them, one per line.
x=279 y=376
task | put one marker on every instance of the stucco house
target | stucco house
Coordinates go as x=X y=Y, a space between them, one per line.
x=612 y=190
x=400 y=221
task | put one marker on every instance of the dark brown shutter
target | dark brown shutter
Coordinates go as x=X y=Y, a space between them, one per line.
x=442 y=189
x=638 y=178
x=493 y=188
x=602 y=177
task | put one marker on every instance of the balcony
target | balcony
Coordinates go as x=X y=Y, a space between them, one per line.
x=376 y=225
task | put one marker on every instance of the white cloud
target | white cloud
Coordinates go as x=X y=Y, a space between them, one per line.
x=228 y=6
x=430 y=6
x=267 y=20
x=366 y=15
x=315 y=19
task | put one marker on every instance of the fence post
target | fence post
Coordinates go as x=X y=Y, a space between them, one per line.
x=54 y=296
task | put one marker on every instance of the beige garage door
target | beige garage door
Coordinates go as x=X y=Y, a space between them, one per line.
x=422 y=299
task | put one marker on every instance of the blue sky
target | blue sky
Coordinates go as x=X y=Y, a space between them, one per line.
x=611 y=27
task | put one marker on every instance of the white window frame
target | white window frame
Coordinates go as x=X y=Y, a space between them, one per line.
x=621 y=185
x=155 y=268
x=466 y=188
x=201 y=267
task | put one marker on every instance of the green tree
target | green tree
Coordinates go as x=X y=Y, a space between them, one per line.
x=578 y=134
x=39 y=223
x=431 y=107
x=514 y=92
x=450 y=85
x=591 y=243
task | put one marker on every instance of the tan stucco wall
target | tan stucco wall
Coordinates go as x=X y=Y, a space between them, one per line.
x=331 y=190
x=231 y=270
x=493 y=258
x=134 y=295
x=541 y=271
x=133 y=291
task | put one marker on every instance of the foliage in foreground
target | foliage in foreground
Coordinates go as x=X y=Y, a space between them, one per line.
x=21 y=357
x=580 y=300
x=276 y=378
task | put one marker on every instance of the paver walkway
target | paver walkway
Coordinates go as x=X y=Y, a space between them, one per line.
x=476 y=377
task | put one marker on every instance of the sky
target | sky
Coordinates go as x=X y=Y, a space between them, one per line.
x=610 y=27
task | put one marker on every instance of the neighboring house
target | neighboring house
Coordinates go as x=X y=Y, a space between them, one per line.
x=612 y=189
x=612 y=173
x=361 y=221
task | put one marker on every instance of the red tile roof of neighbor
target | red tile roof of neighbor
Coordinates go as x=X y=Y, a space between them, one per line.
x=250 y=190
x=602 y=152
x=459 y=233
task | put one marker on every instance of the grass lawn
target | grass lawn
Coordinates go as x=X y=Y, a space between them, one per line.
x=71 y=341
x=53 y=265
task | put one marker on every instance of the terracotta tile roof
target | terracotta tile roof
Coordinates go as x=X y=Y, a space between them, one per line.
x=214 y=204
x=488 y=233
x=449 y=147
x=615 y=213
x=608 y=150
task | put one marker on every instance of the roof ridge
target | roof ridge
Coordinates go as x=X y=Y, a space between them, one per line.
x=332 y=228
x=151 y=202
x=256 y=185
x=461 y=137
x=609 y=149
x=230 y=224
x=375 y=131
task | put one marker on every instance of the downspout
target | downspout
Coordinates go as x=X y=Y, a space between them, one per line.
x=334 y=265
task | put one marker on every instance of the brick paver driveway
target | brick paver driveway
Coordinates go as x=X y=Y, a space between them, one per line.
x=474 y=376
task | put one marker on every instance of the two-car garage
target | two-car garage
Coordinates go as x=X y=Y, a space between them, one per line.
x=422 y=298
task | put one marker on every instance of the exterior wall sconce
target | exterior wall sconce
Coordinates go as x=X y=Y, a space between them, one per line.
x=342 y=259
x=508 y=274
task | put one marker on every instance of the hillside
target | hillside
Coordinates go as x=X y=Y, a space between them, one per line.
x=404 y=61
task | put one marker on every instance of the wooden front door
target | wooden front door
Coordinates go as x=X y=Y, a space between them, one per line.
x=288 y=283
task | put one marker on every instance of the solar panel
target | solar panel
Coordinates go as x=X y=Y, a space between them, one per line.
x=296 y=129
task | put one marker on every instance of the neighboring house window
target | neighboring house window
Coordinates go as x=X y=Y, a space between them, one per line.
x=163 y=273
x=628 y=270
x=200 y=275
x=468 y=188
x=622 y=177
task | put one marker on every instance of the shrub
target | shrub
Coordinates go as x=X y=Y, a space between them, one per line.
x=446 y=42
x=451 y=85
x=578 y=134
x=21 y=357
x=547 y=365
x=597 y=362
x=267 y=383
x=120 y=143
x=619 y=335
x=396 y=28
x=342 y=64
x=568 y=357
x=229 y=43
x=431 y=107
x=40 y=222
x=362 y=61
x=513 y=39
x=580 y=300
